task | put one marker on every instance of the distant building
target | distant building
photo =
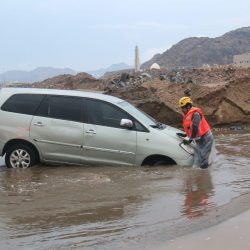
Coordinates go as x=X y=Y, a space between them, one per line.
x=242 y=60
x=137 y=59
x=155 y=66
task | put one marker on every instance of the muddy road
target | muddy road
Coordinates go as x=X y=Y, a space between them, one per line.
x=73 y=207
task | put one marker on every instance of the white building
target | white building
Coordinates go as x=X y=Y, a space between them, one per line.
x=155 y=66
x=242 y=60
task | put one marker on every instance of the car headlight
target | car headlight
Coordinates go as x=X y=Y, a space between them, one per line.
x=188 y=148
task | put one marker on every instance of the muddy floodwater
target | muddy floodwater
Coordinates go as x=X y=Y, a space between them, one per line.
x=77 y=207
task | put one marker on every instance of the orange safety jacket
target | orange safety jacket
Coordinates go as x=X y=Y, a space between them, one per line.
x=187 y=123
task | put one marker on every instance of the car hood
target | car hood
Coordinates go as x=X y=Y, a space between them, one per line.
x=171 y=131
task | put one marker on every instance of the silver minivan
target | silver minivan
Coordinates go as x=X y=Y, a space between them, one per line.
x=76 y=127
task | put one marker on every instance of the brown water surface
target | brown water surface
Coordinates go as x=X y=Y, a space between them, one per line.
x=73 y=207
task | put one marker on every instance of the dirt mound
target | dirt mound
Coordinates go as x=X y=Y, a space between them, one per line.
x=223 y=94
x=79 y=81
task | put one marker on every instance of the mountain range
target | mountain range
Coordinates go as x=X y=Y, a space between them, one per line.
x=43 y=73
x=199 y=51
x=114 y=67
x=188 y=53
x=36 y=75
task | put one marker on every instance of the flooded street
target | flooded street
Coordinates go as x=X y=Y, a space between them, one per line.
x=77 y=207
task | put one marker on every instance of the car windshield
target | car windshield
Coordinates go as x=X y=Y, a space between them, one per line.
x=138 y=114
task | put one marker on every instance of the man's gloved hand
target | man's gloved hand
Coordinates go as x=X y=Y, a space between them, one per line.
x=187 y=142
x=181 y=134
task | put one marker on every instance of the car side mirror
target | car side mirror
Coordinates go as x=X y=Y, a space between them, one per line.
x=126 y=123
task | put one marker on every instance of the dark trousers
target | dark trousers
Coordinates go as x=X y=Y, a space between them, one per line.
x=204 y=148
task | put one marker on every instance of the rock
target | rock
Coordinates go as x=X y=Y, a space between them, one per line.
x=163 y=77
x=187 y=92
x=124 y=77
x=146 y=75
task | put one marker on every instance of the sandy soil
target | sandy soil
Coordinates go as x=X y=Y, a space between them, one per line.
x=232 y=234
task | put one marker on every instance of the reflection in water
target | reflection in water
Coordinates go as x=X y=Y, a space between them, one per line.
x=69 y=207
x=198 y=189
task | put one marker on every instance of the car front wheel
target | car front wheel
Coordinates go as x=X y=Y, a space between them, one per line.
x=19 y=156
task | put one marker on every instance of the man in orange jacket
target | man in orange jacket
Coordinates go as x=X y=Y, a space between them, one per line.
x=196 y=129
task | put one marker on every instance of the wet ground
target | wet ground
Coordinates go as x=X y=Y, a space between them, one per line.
x=68 y=207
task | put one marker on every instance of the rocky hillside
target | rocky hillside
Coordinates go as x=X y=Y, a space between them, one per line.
x=195 y=52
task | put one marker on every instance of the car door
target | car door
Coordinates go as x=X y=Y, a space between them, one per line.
x=57 y=129
x=105 y=141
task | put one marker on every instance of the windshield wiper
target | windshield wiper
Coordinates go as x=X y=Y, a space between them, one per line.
x=158 y=125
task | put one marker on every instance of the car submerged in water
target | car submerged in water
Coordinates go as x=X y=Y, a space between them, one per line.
x=75 y=127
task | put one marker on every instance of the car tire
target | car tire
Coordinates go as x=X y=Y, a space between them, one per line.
x=19 y=156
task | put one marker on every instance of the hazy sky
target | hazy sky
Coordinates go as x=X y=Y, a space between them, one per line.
x=90 y=34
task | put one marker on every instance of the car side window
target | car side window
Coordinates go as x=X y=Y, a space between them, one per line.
x=43 y=109
x=139 y=127
x=23 y=103
x=61 y=107
x=105 y=114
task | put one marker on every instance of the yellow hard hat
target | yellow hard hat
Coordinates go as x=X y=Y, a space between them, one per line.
x=184 y=101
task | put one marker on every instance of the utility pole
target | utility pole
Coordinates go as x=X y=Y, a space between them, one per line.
x=137 y=59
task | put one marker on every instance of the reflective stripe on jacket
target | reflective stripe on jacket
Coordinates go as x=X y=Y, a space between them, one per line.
x=187 y=123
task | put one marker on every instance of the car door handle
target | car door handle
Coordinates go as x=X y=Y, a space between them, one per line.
x=39 y=124
x=91 y=131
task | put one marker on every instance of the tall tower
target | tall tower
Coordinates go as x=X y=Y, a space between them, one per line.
x=137 y=59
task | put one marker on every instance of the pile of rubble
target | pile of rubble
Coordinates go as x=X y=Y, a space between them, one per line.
x=222 y=93
x=205 y=76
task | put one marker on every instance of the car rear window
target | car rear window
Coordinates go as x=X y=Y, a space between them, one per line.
x=23 y=103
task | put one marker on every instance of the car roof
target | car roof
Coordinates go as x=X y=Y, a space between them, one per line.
x=79 y=93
